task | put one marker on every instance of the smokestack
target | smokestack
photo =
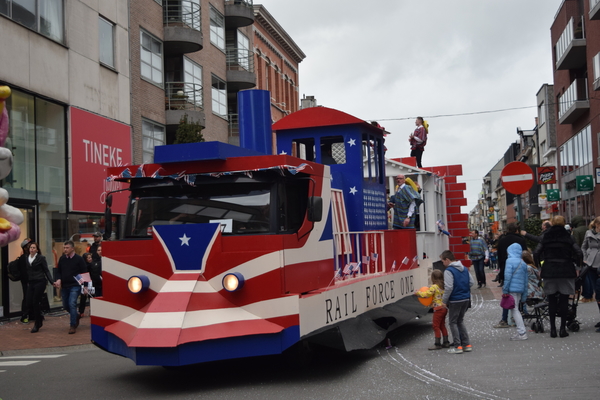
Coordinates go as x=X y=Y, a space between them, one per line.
x=254 y=109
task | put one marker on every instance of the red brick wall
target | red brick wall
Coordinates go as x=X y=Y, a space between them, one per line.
x=456 y=222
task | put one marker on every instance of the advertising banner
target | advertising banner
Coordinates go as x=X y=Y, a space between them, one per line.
x=546 y=175
x=553 y=194
x=585 y=183
x=96 y=144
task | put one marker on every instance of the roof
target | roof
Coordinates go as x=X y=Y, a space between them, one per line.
x=313 y=117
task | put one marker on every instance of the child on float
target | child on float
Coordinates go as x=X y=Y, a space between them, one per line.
x=439 y=311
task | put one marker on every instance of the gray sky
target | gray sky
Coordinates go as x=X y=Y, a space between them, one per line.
x=393 y=60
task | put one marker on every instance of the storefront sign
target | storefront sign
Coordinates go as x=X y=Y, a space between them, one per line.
x=546 y=175
x=96 y=144
x=585 y=183
x=553 y=194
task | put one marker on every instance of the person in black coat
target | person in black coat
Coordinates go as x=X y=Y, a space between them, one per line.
x=559 y=254
x=22 y=263
x=39 y=275
x=511 y=237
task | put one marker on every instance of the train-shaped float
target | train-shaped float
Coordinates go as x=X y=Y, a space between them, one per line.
x=231 y=252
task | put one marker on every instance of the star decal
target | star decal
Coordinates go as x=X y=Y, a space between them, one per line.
x=353 y=190
x=283 y=153
x=185 y=240
x=352 y=142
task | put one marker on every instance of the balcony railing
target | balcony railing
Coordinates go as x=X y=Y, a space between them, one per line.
x=572 y=37
x=248 y=3
x=239 y=59
x=182 y=13
x=234 y=125
x=183 y=96
x=573 y=102
x=594 y=9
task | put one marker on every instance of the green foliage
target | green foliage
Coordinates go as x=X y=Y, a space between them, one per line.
x=188 y=132
x=532 y=225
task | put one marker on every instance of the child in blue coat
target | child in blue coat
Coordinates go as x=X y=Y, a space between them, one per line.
x=515 y=284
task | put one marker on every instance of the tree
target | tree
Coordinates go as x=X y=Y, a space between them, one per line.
x=532 y=225
x=188 y=131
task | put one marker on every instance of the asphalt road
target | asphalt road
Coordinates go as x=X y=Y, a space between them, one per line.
x=538 y=368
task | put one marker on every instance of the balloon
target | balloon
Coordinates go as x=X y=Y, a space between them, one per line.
x=426 y=301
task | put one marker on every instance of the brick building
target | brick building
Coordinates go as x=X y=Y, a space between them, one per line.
x=575 y=36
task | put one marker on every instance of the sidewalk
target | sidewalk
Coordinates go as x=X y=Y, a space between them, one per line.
x=15 y=335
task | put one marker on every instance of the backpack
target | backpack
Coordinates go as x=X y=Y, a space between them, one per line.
x=14 y=273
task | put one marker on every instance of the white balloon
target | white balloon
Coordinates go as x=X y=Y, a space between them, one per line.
x=6 y=162
x=12 y=214
x=3 y=196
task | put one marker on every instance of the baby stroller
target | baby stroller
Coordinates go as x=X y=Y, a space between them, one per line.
x=540 y=313
x=537 y=313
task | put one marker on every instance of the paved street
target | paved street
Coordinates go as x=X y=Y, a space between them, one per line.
x=541 y=367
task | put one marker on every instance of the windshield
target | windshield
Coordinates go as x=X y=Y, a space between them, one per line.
x=240 y=205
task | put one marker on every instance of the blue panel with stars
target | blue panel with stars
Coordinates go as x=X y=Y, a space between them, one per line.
x=188 y=243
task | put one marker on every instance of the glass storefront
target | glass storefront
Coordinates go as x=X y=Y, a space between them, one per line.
x=38 y=186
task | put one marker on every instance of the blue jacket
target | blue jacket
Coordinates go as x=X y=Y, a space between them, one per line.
x=515 y=273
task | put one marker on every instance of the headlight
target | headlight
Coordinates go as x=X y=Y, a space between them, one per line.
x=233 y=281
x=138 y=284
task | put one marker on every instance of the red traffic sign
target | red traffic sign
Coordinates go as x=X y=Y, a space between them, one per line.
x=517 y=177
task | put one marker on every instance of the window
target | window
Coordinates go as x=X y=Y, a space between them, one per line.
x=192 y=73
x=151 y=58
x=577 y=151
x=106 y=42
x=596 y=64
x=243 y=46
x=541 y=114
x=219 y=97
x=152 y=135
x=45 y=17
x=217 y=28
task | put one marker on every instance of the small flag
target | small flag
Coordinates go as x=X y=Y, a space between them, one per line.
x=374 y=256
x=81 y=278
x=348 y=269
x=405 y=261
x=338 y=274
x=365 y=259
x=394 y=266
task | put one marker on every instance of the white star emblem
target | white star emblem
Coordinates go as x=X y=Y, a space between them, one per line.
x=352 y=142
x=185 y=240
x=353 y=190
x=283 y=153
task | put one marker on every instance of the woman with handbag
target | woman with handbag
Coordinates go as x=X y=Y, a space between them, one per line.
x=559 y=253
x=515 y=285
x=591 y=257
x=39 y=275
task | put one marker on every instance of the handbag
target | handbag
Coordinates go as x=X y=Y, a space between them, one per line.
x=507 y=302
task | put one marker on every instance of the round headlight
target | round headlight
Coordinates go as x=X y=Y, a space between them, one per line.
x=233 y=281
x=138 y=284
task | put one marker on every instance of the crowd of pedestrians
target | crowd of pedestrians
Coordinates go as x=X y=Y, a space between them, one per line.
x=34 y=275
x=563 y=260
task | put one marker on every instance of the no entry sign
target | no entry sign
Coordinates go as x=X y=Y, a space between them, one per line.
x=517 y=177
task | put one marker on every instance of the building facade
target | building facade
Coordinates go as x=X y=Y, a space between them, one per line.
x=100 y=84
x=575 y=36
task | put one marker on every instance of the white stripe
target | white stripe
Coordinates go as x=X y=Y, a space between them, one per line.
x=253 y=268
x=260 y=310
x=517 y=178
x=178 y=286
x=126 y=271
x=17 y=363
x=40 y=356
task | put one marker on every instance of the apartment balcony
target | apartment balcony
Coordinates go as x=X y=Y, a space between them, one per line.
x=574 y=102
x=594 y=9
x=182 y=98
x=240 y=69
x=182 y=27
x=570 y=47
x=238 y=13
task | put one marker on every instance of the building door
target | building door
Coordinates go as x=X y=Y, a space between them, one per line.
x=11 y=293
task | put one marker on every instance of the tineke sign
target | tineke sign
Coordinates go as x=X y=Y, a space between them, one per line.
x=96 y=144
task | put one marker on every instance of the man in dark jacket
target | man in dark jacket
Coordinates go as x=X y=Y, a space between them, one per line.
x=69 y=266
x=545 y=226
x=511 y=237
x=94 y=246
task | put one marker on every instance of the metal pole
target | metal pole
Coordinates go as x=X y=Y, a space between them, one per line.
x=519 y=212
